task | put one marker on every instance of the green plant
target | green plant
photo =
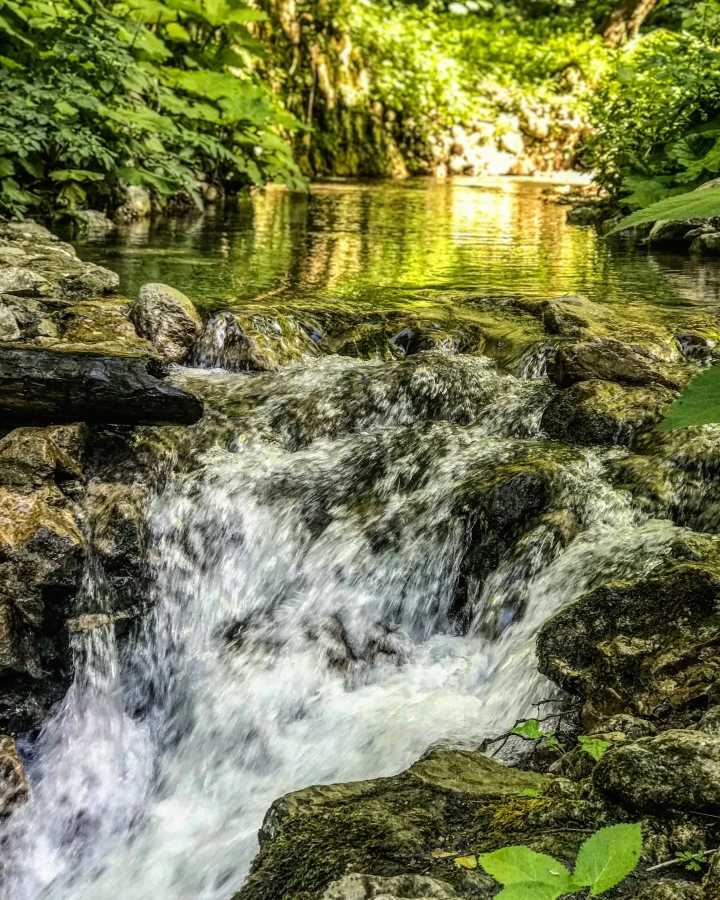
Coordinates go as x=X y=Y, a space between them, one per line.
x=698 y=403
x=531 y=730
x=151 y=93
x=603 y=861
x=594 y=747
x=694 y=861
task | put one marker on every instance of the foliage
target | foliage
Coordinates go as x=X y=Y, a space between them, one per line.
x=142 y=93
x=667 y=85
x=530 y=730
x=603 y=861
x=698 y=403
x=595 y=747
x=700 y=203
x=694 y=861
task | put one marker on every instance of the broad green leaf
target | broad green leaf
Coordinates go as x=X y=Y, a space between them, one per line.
x=529 y=792
x=698 y=404
x=700 y=203
x=594 y=747
x=6 y=167
x=529 y=890
x=607 y=857
x=467 y=862
x=531 y=729
x=517 y=865
x=65 y=109
x=177 y=32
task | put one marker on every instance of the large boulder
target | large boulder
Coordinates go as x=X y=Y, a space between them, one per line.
x=643 y=646
x=606 y=359
x=166 y=318
x=603 y=412
x=678 y=769
x=40 y=387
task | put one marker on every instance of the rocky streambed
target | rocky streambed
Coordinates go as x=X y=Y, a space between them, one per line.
x=491 y=473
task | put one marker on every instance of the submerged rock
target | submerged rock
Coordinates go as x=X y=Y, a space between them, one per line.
x=42 y=387
x=675 y=770
x=168 y=319
x=603 y=412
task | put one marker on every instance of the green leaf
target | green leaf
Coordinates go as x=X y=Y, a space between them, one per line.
x=594 y=747
x=607 y=857
x=529 y=792
x=531 y=729
x=519 y=865
x=65 y=109
x=76 y=175
x=698 y=404
x=177 y=32
x=529 y=890
x=700 y=203
x=6 y=167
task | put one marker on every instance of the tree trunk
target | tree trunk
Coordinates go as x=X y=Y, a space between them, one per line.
x=623 y=22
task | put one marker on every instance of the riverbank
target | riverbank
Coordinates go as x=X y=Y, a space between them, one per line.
x=440 y=483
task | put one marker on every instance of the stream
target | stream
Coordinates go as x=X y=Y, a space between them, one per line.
x=306 y=626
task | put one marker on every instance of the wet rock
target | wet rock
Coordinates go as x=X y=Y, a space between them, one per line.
x=671 y=889
x=706 y=245
x=671 y=233
x=168 y=319
x=604 y=359
x=647 y=647
x=603 y=412
x=94 y=221
x=14 y=789
x=224 y=344
x=675 y=770
x=44 y=387
x=401 y=887
x=697 y=347
x=100 y=326
x=137 y=204
x=631 y=727
x=453 y=800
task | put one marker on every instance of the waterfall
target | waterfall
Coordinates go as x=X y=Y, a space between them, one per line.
x=307 y=626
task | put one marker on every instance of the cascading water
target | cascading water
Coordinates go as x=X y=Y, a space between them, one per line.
x=307 y=625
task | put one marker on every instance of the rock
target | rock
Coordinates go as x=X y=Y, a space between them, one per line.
x=22 y=282
x=101 y=326
x=604 y=359
x=168 y=319
x=95 y=221
x=401 y=887
x=137 y=204
x=512 y=142
x=678 y=769
x=14 y=788
x=697 y=347
x=710 y=722
x=671 y=890
x=711 y=882
x=9 y=330
x=643 y=646
x=632 y=727
x=224 y=344
x=706 y=244
x=672 y=233
x=457 y=800
x=39 y=387
x=603 y=412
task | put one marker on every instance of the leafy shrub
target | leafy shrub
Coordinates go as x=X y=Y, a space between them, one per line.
x=91 y=97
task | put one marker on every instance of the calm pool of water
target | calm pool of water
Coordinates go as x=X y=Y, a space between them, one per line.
x=396 y=245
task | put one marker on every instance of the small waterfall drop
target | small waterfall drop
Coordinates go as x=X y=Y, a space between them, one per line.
x=307 y=626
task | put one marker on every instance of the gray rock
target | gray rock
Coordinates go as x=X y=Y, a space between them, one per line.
x=679 y=769
x=168 y=319
x=9 y=330
x=604 y=359
x=671 y=890
x=706 y=245
x=399 y=887
x=94 y=220
x=696 y=347
x=22 y=282
x=671 y=233
x=225 y=345
x=40 y=387
x=710 y=722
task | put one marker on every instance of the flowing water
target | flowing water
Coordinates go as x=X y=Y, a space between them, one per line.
x=307 y=626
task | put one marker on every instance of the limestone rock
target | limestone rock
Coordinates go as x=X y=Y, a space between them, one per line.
x=603 y=412
x=22 y=282
x=137 y=204
x=41 y=387
x=95 y=221
x=706 y=244
x=14 y=788
x=400 y=887
x=678 y=769
x=641 y=646
x=168 y=319
x=9 y=330
x=604 y=359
